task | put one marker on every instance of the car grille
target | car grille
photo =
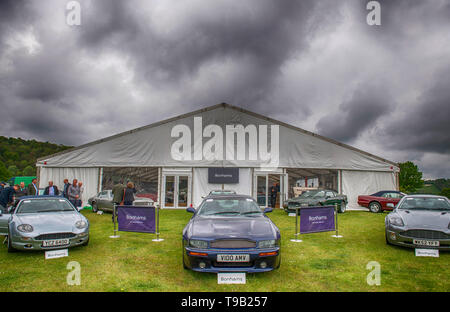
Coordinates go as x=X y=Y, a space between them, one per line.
x=425 y=234
x=232 y=264
x=54 y=236
x=233 y=243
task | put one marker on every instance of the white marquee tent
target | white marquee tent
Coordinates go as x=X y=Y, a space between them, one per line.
x=175 y=155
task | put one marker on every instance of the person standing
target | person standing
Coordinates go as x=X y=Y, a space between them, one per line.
x=128 y=197
x=51 y=189
x=66 y=188
x=273 y=195
x=22 y=190
x=7 y=196
x=118 y=192
x=81 y=187
x=73 y=193
x=32 y=188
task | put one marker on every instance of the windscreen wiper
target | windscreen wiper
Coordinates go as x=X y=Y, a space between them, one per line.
x=249 y=212
x=224 y=212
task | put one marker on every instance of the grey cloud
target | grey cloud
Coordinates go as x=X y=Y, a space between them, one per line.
x=425 y=126
x=358 y=113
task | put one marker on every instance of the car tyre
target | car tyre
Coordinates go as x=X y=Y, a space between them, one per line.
x=374 y=207
x=10 y=247
x=387 y=241
x=94 y=207
x=86 y=243
x=342 y=207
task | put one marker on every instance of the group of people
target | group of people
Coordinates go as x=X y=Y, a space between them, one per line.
x=72 y=191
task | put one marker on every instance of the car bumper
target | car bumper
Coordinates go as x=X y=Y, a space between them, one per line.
x=394 y=237
x=255 y=265
x=363 y=204
x=29 y=243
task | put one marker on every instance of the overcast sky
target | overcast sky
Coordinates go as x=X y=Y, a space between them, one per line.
x=315 y=64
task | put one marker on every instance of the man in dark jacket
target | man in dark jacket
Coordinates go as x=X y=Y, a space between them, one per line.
x=273 y=195
x=32 y=188
x=66 y=188
x=118 y=192
x=51 y=189
x=7 y=196
x=22 y=191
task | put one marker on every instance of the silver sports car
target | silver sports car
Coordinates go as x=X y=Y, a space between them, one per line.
x=43 y=223
x=420 y=221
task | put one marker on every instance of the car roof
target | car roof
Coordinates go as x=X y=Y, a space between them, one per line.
x=41 y=197
x=228 y=196
x=426 y=195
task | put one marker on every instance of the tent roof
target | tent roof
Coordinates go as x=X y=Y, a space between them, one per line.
x=207 y=109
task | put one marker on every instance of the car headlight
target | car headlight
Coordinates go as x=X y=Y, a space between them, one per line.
x=396 y=220
x=267 y=243
x=81 y=224
x=25 y=228
x=198 y=243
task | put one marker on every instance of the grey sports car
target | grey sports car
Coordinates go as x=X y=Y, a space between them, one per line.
x=43 y=223
x=420 y=221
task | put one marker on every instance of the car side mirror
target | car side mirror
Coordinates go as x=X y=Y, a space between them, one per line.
x=190 y=209
x=79 y=209
x=267 y=209
x=391 y=205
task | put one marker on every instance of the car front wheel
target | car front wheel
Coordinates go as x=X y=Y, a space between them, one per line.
x=342 y=207
x=94 y=207
x=10 y=247
x=374 y=207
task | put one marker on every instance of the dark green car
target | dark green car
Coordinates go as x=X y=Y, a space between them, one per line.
x=320 y=197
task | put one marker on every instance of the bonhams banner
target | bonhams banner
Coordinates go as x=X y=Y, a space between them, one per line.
x=136 y=219
x=317 y=219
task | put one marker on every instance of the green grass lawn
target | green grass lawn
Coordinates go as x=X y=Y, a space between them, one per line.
x=320 y=263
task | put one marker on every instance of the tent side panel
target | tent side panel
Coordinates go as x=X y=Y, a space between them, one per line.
x=356 y=183
x=89 y=177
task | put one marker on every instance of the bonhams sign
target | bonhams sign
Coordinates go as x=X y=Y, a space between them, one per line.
x=231 y=142
x=317 y=219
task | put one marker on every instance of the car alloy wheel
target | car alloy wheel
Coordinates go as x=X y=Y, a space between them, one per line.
x=375 y=207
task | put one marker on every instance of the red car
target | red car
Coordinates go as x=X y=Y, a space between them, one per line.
x=378 y=202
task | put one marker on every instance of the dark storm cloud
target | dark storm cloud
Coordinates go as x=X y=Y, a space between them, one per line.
x=360 y=112
x=426 y=126
x=312 y=62
x=265 y=33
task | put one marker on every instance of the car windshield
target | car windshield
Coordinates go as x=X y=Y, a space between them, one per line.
x=229 y=207
x=44 y=205
x=222 y=192
x=315 y=193
x=425 y=203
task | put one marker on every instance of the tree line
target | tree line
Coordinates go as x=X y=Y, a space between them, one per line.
x=18 y=156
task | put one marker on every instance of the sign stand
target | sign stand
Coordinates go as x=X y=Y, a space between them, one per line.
x=157 y=239
x=114 y=221
x=336 y=221
x=297 y=230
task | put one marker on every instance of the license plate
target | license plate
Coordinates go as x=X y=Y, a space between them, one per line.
x=55 y=242
x=233 y=258
x=423 y=242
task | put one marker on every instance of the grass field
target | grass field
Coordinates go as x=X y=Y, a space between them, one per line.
x=320 y=263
